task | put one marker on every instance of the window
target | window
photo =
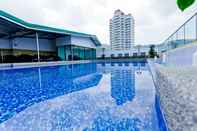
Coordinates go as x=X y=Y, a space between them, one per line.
x=61 y=52
x=71 y=52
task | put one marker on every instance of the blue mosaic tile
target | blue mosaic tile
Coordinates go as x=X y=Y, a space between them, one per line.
x=88 y=97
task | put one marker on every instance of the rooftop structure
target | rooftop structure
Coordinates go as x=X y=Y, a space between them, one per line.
x=19 y=37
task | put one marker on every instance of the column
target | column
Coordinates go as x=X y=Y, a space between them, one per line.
x=37 y=46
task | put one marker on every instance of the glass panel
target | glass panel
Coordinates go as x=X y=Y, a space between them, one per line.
x=190 y=31
x=76 y=53
x=71 y=53
x=81 y=53
x=181 y=37
x=95 y=53
x=67 y=52
x=92 y=54
x=85 y=53
x=173 y=42
x=89 y=54
x=168 y=44
x=61 y=52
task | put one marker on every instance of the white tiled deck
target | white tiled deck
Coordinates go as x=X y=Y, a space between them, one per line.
x=177 y=87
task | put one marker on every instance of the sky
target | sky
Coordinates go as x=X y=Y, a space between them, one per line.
x=155 y=20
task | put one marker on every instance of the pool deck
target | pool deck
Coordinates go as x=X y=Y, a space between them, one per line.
x=177 y=88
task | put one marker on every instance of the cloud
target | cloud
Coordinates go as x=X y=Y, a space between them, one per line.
x=155 y=19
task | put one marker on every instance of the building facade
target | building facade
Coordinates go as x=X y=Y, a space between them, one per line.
x=20 y=38
x=122 y=31
x=105 y=51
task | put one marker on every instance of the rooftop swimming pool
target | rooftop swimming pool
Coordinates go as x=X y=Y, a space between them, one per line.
x=102 y=96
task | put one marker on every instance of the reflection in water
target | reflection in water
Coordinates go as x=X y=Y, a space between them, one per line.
x=109 y=106
x=34 y=85
x=40 y=77
x=123 y=85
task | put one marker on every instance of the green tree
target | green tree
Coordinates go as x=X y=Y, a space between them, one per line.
x=184 y=4
x=152 y=52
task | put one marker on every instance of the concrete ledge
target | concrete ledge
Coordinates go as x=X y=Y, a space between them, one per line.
x=122 y=60
x=181 y=56
x=177 y=87
x=41 y=64
x=38 y=64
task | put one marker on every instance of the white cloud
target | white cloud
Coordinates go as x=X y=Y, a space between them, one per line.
x=155 y=19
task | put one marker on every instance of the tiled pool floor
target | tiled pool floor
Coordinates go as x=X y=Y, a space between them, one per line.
x=82 y=97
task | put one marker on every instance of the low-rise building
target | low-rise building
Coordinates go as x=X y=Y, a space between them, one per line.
x=105 y=51
x=18 y=37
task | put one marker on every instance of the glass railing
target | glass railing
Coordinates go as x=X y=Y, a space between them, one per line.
x=182 y=37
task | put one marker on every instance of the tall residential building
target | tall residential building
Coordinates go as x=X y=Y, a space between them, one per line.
x=122 y=31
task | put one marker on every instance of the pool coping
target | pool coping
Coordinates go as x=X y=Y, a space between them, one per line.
x=151 y=66
x=9 y=66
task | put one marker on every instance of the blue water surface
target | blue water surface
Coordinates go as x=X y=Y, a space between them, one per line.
x=102 y=96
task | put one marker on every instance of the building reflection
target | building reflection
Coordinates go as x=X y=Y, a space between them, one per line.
x=66 y=79
x=123 y=84
x=34 y=85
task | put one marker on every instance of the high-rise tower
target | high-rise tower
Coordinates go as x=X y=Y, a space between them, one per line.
x=122 y=31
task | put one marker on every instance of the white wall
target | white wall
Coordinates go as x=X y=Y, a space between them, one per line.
x=63 y=41
x=82 y=41
x=108 y=52
x=75 y=40
x=182 y=56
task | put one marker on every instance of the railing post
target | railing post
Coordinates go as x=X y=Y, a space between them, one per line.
x=2 y=56
x=177 y=35
x=196 y=25
x=184 y=34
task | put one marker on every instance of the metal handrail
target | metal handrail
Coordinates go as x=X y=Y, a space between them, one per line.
x=182 y=26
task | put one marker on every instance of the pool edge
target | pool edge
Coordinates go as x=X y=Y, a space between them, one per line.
x=157 y=97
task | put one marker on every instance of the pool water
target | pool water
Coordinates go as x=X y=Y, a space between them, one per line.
x=113 y=96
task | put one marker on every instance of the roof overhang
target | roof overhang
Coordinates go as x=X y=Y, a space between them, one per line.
x=19 y=28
